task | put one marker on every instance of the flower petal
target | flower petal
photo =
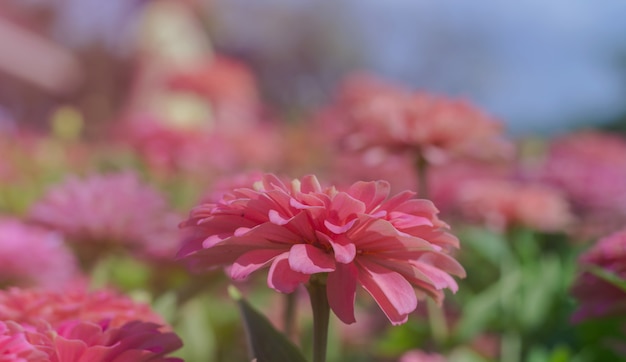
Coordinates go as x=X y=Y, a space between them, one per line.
x=393 y=293
x=341 y=291
x=252 y=261
x=308 y=259
x=282 y=278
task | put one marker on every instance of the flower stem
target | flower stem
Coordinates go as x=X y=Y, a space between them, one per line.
x=289 y=315
x=321 y=315
x=421 y=167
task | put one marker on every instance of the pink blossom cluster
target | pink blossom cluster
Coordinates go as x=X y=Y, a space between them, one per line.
x=33 y=256
x=75 y=325
x=358 y=236
x=114 y=210
x=372 y=113
x=501 y=204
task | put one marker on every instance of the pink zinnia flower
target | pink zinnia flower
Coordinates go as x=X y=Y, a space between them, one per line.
x=30 y=306
x=597 y=297
x=103 y=212
x=30 y=255
x=501 y=204
x=590 y=167
x=356 y=236
x=80 y=341
x=375 y=113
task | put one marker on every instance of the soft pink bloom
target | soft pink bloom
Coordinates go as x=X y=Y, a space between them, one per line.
x=370 y=112
x=421 y=356
x=108 y=211
x=501 y=204
x=31 y=255
x=599 y=298
x=30 y=306
x=357 y=236
x=80 y=341
x=590 y=167
x=15 y=347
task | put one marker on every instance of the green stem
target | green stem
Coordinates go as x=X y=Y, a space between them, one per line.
x=321 y=316
x=289 y=315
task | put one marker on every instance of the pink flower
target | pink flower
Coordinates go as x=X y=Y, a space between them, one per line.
x=421 y=356
x=15 y=347
x=375 y=113
x=597 y=297
x=502 y=204
x=30 y=306
x=31 y=255
x=103 y=212
x=590 y=167
x=80 y=341
x=356 y=236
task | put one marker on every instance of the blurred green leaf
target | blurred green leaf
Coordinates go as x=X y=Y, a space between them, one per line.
x=489 y=245
x=265 y=342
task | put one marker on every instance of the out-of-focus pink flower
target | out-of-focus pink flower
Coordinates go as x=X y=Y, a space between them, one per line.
x=31 y=255
x=502 y=204
x=597 y=297
x=30 y=306
x=370 y=112
x=202 y=151
x=80 y=341
x=416 y=355
x=107 y=211
x=357 y=236
x=590 y=167
x=15 y=347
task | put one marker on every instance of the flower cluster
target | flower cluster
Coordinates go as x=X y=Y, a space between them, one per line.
x=77 y=325
x=356 y=236
x=31 y=255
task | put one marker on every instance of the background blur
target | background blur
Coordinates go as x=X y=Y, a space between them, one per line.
x=542 y=67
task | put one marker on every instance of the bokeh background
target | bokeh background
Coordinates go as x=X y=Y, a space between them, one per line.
x=542 y=67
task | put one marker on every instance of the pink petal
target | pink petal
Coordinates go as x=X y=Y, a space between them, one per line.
x=252 y=261
x=339 y=229
x=282 y=278
x=310 y=184
x=275 y=218
x=341 y=291
x=344 y=206
x=371 y=193
x=344 y=248
x=308 y=259
x=393 y=293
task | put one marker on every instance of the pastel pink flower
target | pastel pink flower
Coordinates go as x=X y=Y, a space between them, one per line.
x=597 y=297
x=374 y=113
x=356 y=236
x=590 y=167
x=15 y=347
x=501 y=204
x=108 y=211
x=80 y=341
x=33 y=256
x=30 y=306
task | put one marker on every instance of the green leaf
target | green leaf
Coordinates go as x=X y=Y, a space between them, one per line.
x=265 y=342
x=487 y=244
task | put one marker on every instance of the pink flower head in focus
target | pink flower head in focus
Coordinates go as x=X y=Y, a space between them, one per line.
x=33 y=256
x=597 y=297
x=108 y=211
x=502 y=204
x=15 y=347
x=356 y=236
x=30 y=306
x=374 y=113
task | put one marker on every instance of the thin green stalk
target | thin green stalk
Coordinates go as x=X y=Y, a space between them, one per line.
x=289 y=315
x=321 y=316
